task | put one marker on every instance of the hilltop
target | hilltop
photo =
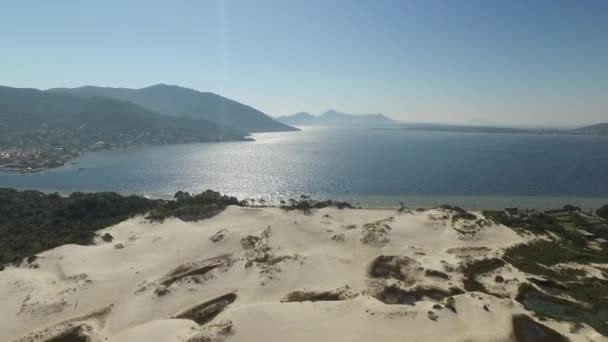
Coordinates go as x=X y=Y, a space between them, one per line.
x=332 y=117
x=171 y=100
x=597 y=129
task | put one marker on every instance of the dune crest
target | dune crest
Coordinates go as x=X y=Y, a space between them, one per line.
x=261 y=274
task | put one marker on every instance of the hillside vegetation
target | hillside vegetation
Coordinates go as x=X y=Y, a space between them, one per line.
x=597 y=129
x=26 y=110
x=178 y=101
x=32 y=221
x=40 y=129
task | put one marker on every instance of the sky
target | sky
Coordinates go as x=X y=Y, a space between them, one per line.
x=517 y=62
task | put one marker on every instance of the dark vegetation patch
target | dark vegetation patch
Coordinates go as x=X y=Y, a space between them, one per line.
x=546 y=306
x=218 y=236
x=107 y=237
x=459 y=213
x=391 y=266
x=548 y=284
x=525 y=329
x=306 y=204
x=303 y=296
x=469 y=250
x=216 y=332
x=195 y=269
x=538 y=224
x=403 y=209
x=207 y=311
x=376 y=233
x=71 y=334
x=169 y=280
x=437 y=274
x=564 y=226
x=476 y=268
x=574 y=272
x=464 y=217
x=397 y=295
x=32 y=221
x=452 y=208
x=602 y=212
x=591 y=291
x=189 y=207
x=340 y=294
x=537 y=258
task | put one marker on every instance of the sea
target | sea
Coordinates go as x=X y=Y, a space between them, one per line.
x=367 y=166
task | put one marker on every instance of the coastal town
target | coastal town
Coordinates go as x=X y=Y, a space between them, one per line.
x=45 y=148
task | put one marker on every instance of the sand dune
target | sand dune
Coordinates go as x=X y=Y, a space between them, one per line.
x=265 y=274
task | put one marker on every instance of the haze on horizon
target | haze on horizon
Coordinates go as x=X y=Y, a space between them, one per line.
x=507 y=62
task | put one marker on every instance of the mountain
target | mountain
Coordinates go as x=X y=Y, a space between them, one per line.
x=42 y=129
x=332 y=117
x=597 y=129
x=25 y=110
x=301 y=118
x=172 y=100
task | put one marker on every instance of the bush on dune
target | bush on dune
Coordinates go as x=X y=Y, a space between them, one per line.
x=32 y=221
x=603 y=212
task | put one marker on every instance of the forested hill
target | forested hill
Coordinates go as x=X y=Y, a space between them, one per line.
x=32 y=221
x=172 y=100
x=25 y=110
x=599 y=129
x=40 y=129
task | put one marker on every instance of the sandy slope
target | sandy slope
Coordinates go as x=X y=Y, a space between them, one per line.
x=142 y=285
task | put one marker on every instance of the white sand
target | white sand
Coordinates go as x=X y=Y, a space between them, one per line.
x=112 y=292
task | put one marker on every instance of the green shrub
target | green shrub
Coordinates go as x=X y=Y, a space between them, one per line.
x=603 y=212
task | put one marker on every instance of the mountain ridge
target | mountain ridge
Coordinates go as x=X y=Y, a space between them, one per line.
x=333 y=117
x=173 y=100
x=597 y=129
x=40 y=129
x=27 y=108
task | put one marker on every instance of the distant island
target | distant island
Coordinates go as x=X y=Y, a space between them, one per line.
x=597 y=129
x=380 y=121
x=45 y=129
x=332 y=117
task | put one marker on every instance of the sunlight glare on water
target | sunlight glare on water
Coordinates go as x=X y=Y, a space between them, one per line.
x=377 y=166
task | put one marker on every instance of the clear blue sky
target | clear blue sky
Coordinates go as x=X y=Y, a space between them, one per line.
x=507 y=61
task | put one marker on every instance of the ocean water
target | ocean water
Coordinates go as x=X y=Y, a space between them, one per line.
x=370 y=166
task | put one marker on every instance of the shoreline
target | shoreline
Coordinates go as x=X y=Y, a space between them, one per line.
x=69 y=158
x=389 y=202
